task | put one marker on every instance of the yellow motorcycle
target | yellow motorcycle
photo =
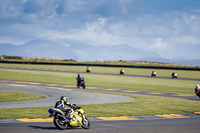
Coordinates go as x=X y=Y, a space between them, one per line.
x=78 y=119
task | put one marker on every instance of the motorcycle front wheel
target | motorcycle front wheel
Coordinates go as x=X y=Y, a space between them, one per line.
x=86 y=123
x=60 y=124
x=83 y=86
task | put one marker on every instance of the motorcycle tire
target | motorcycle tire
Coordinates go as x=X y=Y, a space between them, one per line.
x=86 y=123
x=83 y=86
x=59 y=124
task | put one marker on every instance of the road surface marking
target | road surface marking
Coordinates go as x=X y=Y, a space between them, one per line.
x=183 y=95
x=117 y=118
x=34 y=83
x=131 y=91
x=197 y=112
x=36 y=120
x=171 y=116
x=52 y=84
x=156 y=93
x=110 y=89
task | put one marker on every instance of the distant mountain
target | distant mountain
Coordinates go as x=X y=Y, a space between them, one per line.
x=186 y=62
x=37 y=48
x=8 y=49
x=85 y=52
x=173 y=61
x=82 y=52
x=117 y=52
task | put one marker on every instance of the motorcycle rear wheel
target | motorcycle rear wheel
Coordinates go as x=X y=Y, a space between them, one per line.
x=60 y=124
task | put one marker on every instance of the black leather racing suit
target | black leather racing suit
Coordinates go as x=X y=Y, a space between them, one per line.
x=60 y=104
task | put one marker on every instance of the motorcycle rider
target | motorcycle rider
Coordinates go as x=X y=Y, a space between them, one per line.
x=60 y=104
x=122 y=71
x=88 y=70
x=153 y=73
x=197 y=90
x=79 y=79
x=174 y=75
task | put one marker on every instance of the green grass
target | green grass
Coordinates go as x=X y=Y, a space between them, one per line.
x=114 y=70
x=8 y=96
x=102 y=81
x=142 y=106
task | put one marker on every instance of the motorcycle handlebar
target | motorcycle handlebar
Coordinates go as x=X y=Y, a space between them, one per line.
x=77 y=107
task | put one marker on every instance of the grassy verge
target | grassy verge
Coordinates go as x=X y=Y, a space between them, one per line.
x=102 y=81
x=114 y=70
x=8 y=96
x=142 y=106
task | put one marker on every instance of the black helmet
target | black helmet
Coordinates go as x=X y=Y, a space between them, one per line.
x=64 y=98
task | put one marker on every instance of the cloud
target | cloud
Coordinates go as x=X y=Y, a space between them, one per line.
x=159 y=44
x=196 y=10
x=143 y=24
x=188 y=40
x=96 y=25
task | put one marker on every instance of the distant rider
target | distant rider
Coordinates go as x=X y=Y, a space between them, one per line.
x=122 y=71
x=153 y=73
x=197 y=90
x=60 y=104
x=79 y=79
x=88 y=70
x=174 y=75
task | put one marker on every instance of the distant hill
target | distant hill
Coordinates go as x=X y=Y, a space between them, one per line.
x=37 y=48
x=85 y=52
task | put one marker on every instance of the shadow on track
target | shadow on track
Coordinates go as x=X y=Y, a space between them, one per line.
x=44 y=128
x=53 y=128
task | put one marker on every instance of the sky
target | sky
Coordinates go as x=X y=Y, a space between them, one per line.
x=170 y=28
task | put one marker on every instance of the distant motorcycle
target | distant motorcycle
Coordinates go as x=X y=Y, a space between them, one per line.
x=122 y=72
x=78 y=120
x=153 y=74
x=174 y=75
x=197 y=93
x=88 y=71
x=81 y=84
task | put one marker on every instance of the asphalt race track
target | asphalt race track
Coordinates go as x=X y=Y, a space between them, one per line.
x=53 y=94
x=143 y=76
x=178 y=125
x=186 y=124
